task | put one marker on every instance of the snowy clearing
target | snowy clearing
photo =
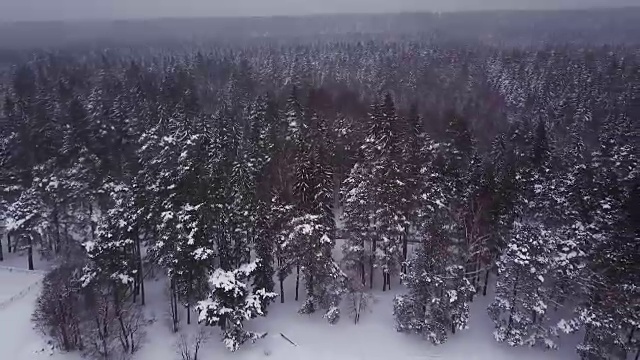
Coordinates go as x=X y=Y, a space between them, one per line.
x=18 y=339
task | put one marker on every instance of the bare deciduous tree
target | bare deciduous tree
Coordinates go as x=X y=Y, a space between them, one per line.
x=188 y=347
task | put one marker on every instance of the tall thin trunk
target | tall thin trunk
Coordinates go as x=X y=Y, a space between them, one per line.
x=124 y=338
x=65 y=239
x=30 y=254
x=513 y=303
x=174 y=306
x=310 y=291
x=405 y=249
x=469 y=270
x=280 y=279
x=486 y=281
x=362 y=273
x=371 y=262
x=297 y=280
x=142 y=297
x=124 y=333
x=1 y=254
x=189 y=290
x=478 y=266
x=140 y=275
x=65 y=335
x=56 y=223
x=136 y=286
x=188 y=312
x=281 y=290
x=9 y=242
x=91 y=224
x=102 y=336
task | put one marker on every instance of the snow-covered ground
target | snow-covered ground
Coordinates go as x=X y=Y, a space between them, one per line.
x=18 y=339
x=373 y=338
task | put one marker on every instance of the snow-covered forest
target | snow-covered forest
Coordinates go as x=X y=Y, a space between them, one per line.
x=445 y=170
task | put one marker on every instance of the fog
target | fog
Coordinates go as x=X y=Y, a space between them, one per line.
x=30 y=10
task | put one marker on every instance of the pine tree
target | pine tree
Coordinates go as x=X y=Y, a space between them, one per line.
x=438 y=288
x=437 y=299
x=309 y=240
x=384 y=220
x=28 y=222
x=357 y=212
x=522 y=297
x=231 y=303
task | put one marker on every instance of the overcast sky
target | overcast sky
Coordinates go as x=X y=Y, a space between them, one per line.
x=19 y=10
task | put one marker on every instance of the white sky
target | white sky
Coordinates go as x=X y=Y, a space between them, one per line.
x=19 y=10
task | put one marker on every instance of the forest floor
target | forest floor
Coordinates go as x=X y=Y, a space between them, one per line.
x=19 y=290
x=373 y=338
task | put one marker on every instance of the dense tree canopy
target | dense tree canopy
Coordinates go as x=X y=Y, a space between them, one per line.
x=226 y=166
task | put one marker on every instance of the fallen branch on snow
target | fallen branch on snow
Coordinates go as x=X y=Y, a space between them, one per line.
x=289 y=340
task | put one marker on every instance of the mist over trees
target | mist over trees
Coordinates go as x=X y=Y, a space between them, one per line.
x=221 y=165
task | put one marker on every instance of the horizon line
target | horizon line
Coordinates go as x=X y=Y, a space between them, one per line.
x=321 y=14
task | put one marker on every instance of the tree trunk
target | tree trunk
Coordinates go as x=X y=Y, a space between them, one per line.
x=371 y=262
x=297 y=280
x=124 y=338
x=281 y=290
x=56 y=223
x=64 y=326
x=280 y=277
x=140 y=275
x=124 y=333
x=513 y=303
x=174 y=306
x=638 y=354
x=136 y=287
x=65 y=232
x=405 y=249
x=486 y=281
x=310 y=291
x=470 y=270
x=142 y=297
x=30 y=254
x=189 y=299
x=1 y=254
x=386 y=281
x=9 y=242
x=91 y=224
x=362 y=273
x=136 y=277
x=477 y=278
x=102 y=336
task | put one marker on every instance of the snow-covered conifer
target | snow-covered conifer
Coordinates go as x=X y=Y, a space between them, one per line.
x=231 y=302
